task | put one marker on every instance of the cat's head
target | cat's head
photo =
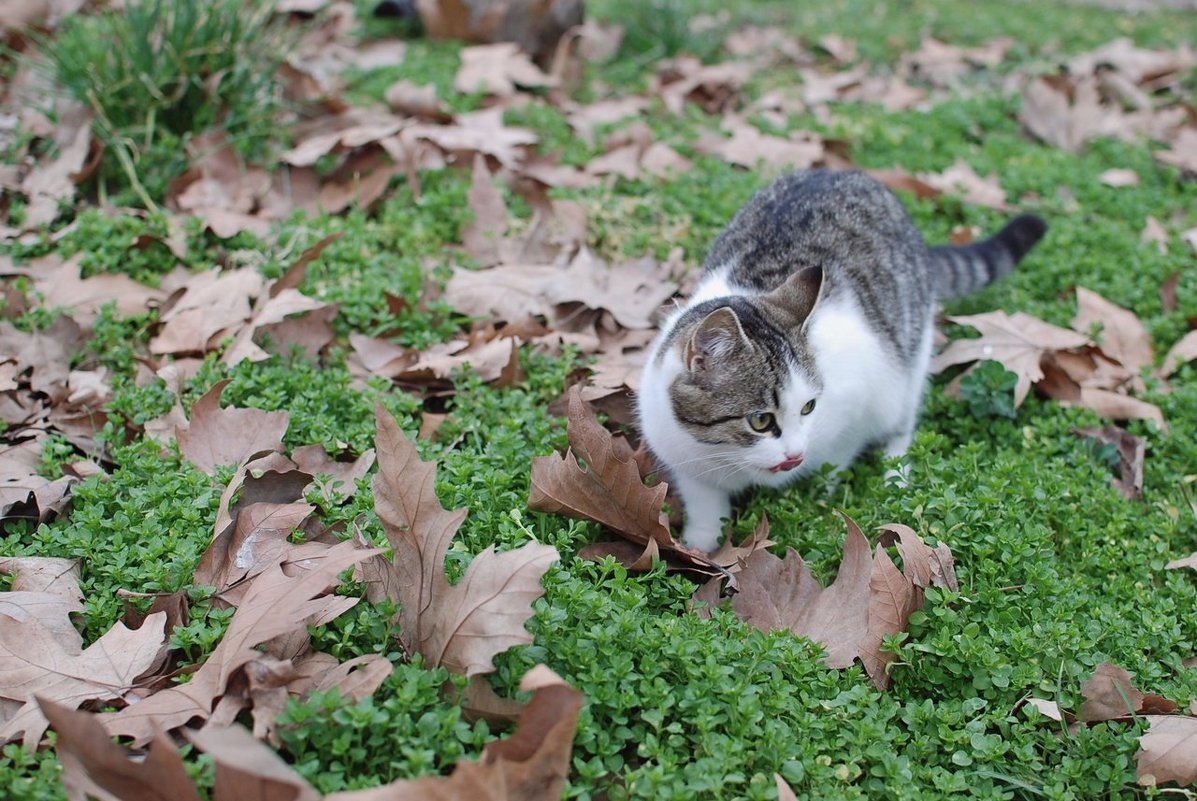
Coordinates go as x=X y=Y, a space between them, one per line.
x=749 y=387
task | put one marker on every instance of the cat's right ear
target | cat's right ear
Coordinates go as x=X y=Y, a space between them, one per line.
x=801 y=292
x=718 y=336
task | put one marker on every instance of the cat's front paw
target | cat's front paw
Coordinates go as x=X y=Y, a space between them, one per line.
x=701 y=537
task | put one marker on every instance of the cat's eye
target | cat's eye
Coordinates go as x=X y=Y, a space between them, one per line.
x=760 y=421
x=809 y=407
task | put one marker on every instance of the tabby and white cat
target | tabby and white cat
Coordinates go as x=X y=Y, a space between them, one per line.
x=807 y=340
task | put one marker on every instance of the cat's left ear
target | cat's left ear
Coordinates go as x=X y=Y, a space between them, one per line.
x=800 y=293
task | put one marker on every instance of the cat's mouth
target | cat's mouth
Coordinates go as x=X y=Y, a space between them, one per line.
x=786 y=464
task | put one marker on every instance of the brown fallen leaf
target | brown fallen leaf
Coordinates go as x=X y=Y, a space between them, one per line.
x=784 y=791
x=750 y=148
x=461 y=626
x=497 y=69
x=714 y=87
x=483 y=234
x=961 y=179
x=219 y=436
x=1018 y=341
x=275 y=605
x=1131 y=452
x=94 y=766
x=53 y=182
x=608 y=489
x=1184 y=351
x=1108 y=694
x=530 y=765
x=868 y=600
x=1154 y=232
x=1167 y=751
x=421 y=101
x=257 y=539
x=61 y=286
x=1183 y=152
x=476 y=132
x=1119 y=177
x=213 y=303
x=943 y=65
x=1122 y=335
x=33 y=662
x=45 y=589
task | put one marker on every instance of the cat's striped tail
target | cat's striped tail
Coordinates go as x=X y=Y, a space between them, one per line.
x=967 y=268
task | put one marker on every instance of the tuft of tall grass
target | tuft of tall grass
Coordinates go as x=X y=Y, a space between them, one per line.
x=159 y=71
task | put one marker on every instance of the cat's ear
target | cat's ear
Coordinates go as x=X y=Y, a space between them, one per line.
x=718 y=336
x=801 y=292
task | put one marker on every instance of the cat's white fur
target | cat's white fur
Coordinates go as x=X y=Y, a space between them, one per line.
x=868 y=398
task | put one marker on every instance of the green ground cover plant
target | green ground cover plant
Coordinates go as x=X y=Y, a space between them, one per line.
x=1058 y=572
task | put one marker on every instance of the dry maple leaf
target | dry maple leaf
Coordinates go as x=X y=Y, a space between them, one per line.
x=219 y=436
x=275 y=604
x=1109 y=695
x=1168 y=751
x=1185 y=350
x=530 y=765
x=61 y=285
x=1018 y=341
x=482 y=235
x=461 y=626
x=45 y=589
x=212 y=303
x=1123 y=336
x=868 y=600
x=961 y=179
x=608 y=490
x=497 y=69
x=33 y=661
x=95 y=766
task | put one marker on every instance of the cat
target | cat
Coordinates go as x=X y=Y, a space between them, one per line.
x=806 y=341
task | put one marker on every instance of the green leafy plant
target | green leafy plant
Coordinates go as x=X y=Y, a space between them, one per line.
x=989 y=391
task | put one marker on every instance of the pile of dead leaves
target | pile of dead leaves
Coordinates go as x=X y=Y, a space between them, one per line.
x=277 y=566
x=1167 y=750
x=530 y=765
x=868 y=600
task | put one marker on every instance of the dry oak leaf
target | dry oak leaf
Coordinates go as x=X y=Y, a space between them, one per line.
x=1018 y=341
x=93 y=766
x=33 y=661
x=218 y=436
x=461 y=626
x=1168 y=751
x=275 y=604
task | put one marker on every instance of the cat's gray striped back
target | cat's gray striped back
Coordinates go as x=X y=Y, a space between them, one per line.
x=857 y=231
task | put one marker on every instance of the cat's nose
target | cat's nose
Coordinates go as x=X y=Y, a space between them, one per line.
x=788 y=463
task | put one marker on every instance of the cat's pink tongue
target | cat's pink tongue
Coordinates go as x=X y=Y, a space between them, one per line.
x=788 y=464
